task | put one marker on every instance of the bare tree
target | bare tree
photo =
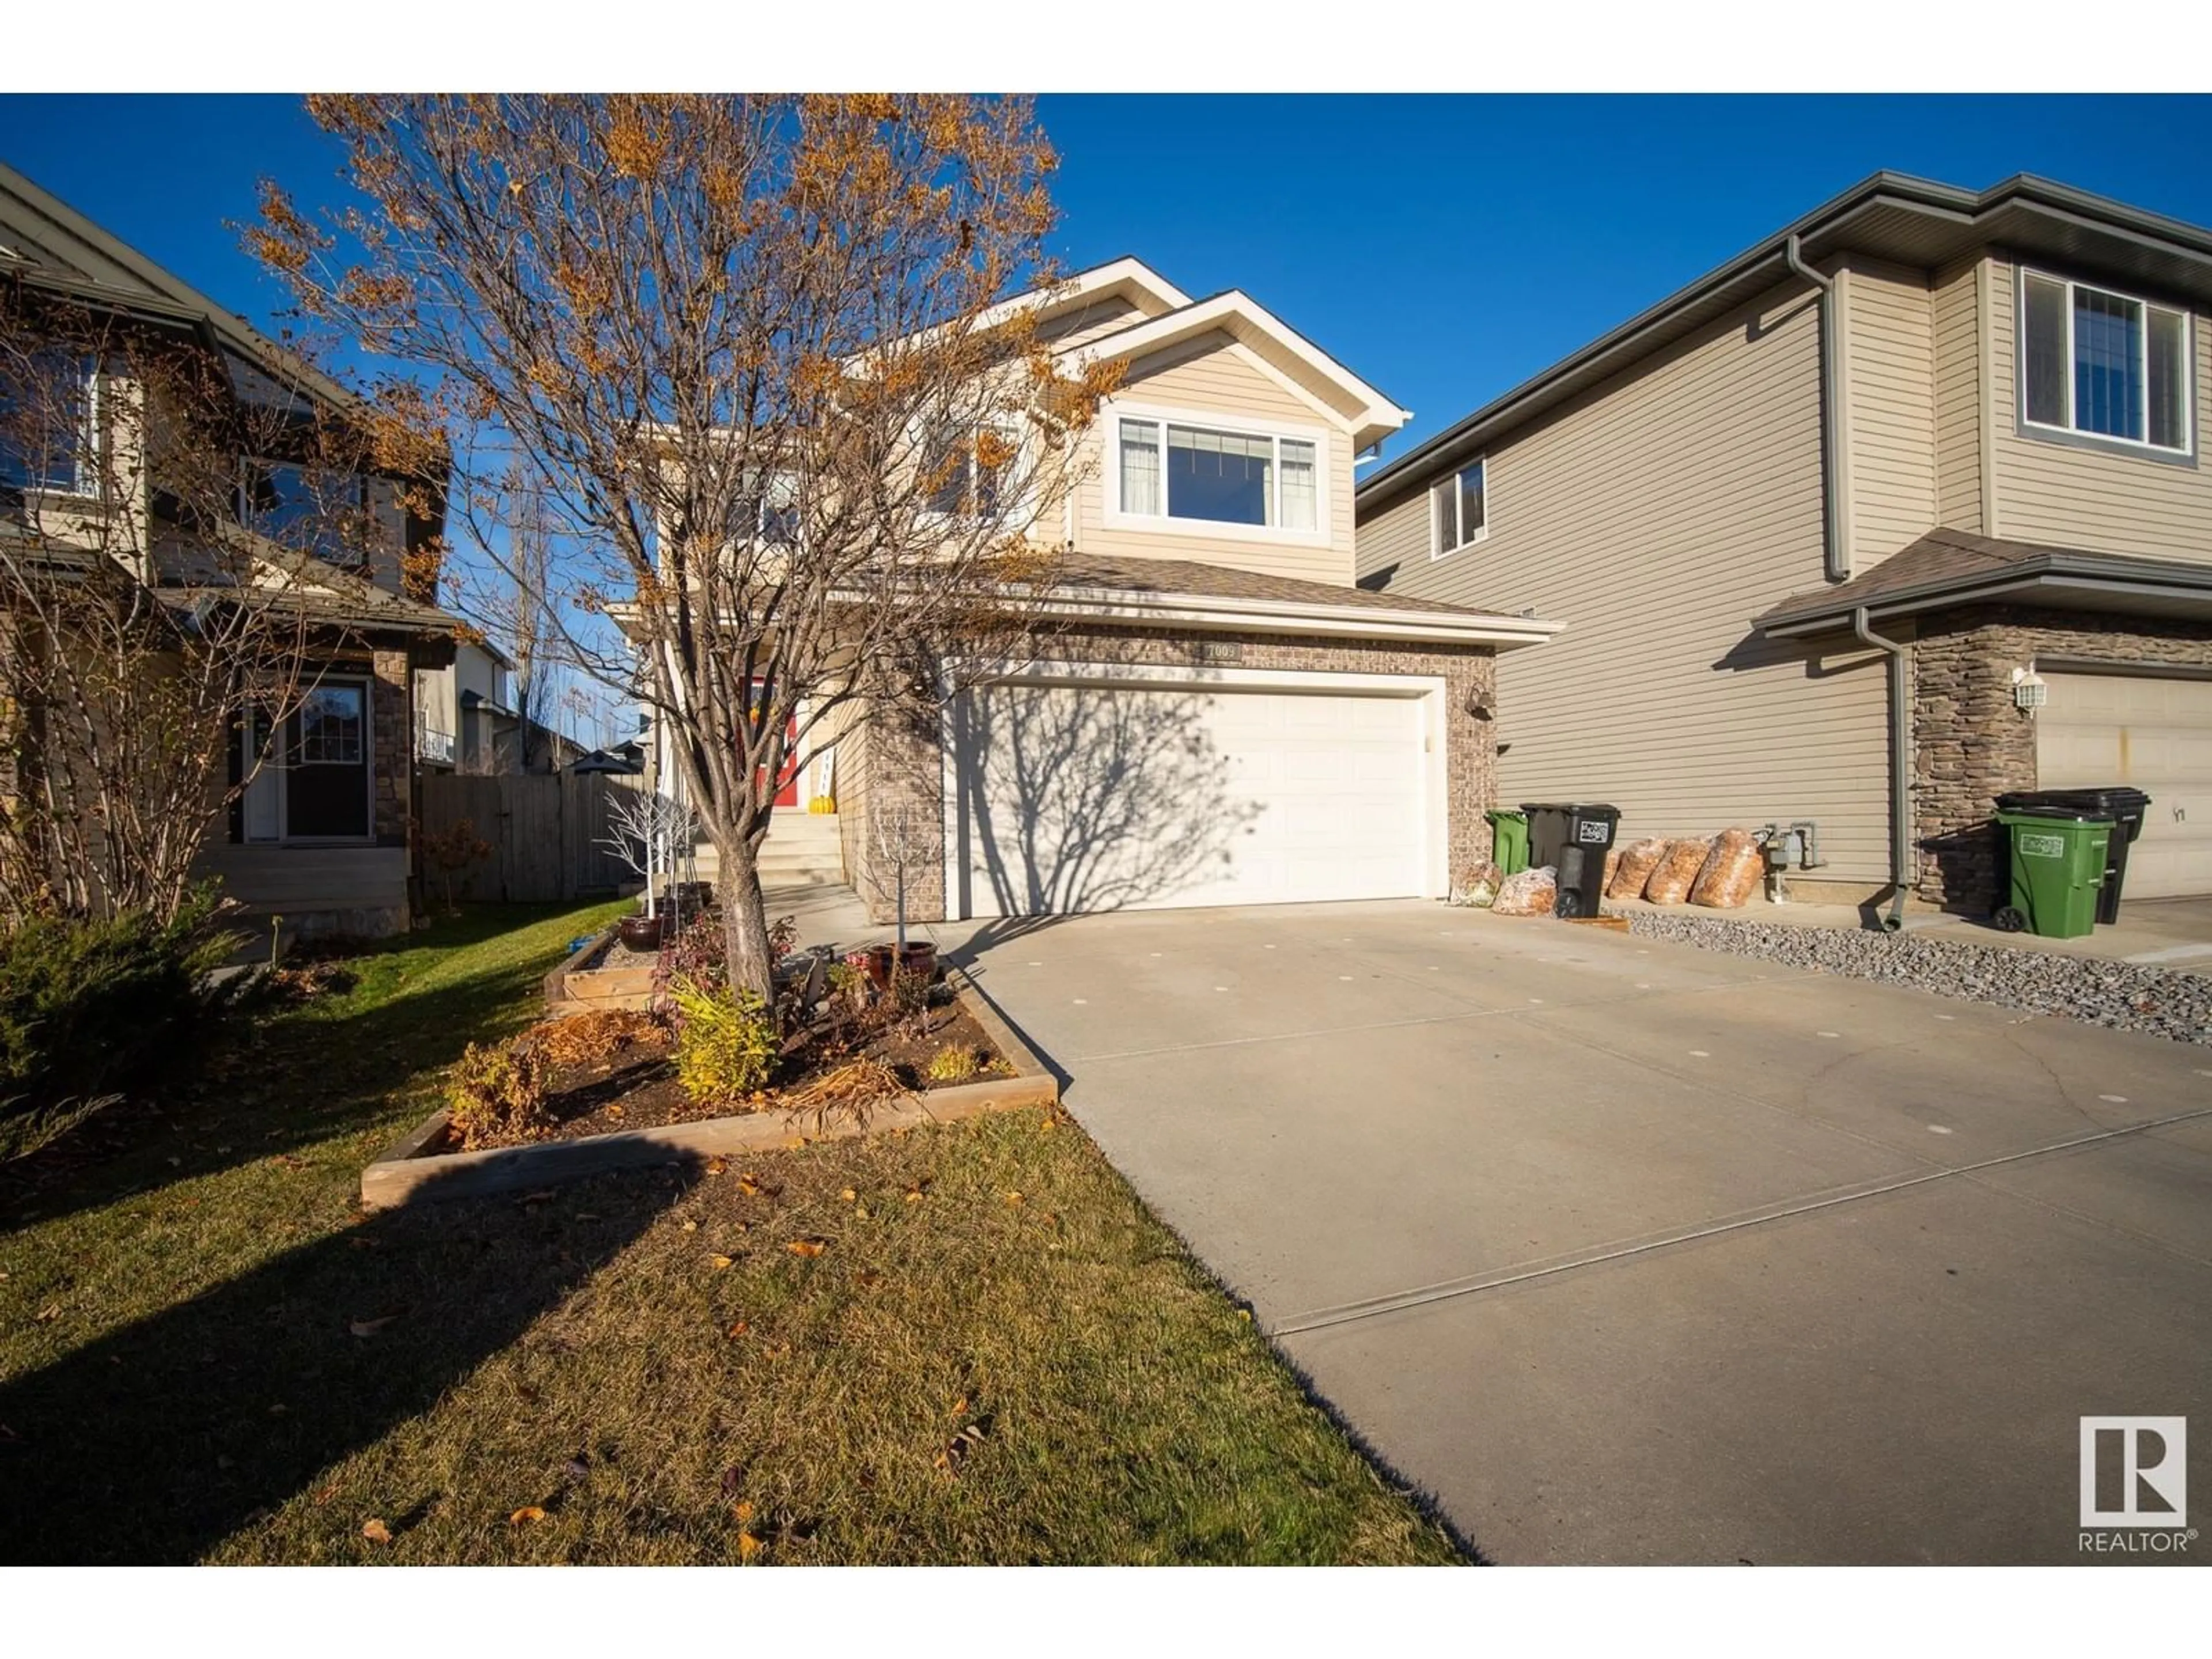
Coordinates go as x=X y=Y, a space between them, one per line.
x=755 y=349
x=648 y=831
x=151 y=584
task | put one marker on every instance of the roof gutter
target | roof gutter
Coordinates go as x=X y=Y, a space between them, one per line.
x=1900 y=766
x=1837 y=556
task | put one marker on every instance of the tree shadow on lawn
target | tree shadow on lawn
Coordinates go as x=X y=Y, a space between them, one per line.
x=275 y=1084
x=155 y=1443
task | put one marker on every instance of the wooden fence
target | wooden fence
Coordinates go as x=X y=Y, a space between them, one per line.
x=545 y=831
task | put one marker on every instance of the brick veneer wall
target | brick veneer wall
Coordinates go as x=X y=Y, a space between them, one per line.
x=1970 y=745
x=905 y=759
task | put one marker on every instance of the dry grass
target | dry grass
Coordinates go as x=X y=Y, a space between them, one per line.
x=981 y=1348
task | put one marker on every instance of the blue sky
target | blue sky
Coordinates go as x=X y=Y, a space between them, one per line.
x=1443 y=247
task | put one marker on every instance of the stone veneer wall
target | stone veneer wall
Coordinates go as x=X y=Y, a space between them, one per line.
x=904 y=761
x=391 y=719
x=1970 y=745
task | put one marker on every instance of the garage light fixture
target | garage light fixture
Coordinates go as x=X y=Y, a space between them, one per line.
x=2028 y=690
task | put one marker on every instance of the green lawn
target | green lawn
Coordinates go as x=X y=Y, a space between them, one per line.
x=207 y=1352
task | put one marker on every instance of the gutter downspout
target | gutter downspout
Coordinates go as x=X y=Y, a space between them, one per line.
x=1900 y=762
x=1832 y=444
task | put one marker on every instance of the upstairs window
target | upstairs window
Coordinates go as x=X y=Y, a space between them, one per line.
x=1458 y=511
x=50 y=424
x=966 y=475
x=317 y=510
x=2103 y=364
x=1218 y=476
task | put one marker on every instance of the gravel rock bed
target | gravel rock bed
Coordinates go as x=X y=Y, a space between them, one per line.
x=2160 y=1001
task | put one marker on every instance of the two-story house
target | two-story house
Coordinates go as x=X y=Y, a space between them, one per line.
x=313 y=822
x=1900 y=509
x=1216 y=713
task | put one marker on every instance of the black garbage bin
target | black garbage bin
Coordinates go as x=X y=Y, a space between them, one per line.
x=2124 y=805
x=1573 y=839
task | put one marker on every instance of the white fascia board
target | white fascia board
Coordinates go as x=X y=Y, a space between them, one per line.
x=1045 y=302
x=1219 y=614
x=1244 y=319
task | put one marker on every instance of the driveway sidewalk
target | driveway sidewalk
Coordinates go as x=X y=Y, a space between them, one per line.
x=1630 y=1252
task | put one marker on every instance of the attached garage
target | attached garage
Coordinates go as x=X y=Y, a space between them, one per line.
x=2153 y=733
x=1081 y=795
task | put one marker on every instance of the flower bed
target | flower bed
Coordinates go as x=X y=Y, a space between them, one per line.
x=625 y=1111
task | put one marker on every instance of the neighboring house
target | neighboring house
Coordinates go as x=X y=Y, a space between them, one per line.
x=463 y=708
x=320 y=834
x=1217 y=716
x=1998 y=473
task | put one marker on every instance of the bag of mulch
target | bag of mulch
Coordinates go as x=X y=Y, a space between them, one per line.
x=1480 y=887
x=1637 y=860
x=1529 y=893
x=1731 y=871
x=1676 y=872
x=1612 y=869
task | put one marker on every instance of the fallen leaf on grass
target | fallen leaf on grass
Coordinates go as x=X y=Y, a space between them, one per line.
x=54 y=1312
x=868 y=1279
x=690 y=1226
x=370 y=1326
x=375 y=1531
x=737 y=1330
x=528 y=1512
x=722 y=1261
x=326 y=1494
x=748 y=1547
x=753 y=1186
x=849 y=1195
x=743 y=1509
x=1013 y=1198
x=957 y=1453
x=715 y=1166
x=806 y=1246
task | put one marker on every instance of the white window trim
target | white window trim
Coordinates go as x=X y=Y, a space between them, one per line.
x=1162 y=524
x=1437 y=550
x=2082 y=435
x=1010 y=513
x=84 y=484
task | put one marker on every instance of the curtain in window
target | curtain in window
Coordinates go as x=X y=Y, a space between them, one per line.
x=1301 y=485
x=2169 y=380
x=2045 y=358
x=1471 y=518
x=1140 y=468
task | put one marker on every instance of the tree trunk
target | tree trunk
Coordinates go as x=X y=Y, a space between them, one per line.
x=744 y=919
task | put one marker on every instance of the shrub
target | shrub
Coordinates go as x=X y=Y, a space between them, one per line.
x=952 y=1063
x=583 y=1039
x=726 y=1044
x=497 y=1093
x=90 y=1008
x=695 y=954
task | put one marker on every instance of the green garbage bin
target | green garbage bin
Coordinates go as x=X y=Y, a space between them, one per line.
x=1509 y=839
x=2057 y=860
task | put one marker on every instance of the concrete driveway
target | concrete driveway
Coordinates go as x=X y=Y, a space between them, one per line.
x=1630 y=1252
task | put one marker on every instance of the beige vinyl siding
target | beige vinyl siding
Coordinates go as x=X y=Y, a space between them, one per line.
x=1888 y=379
x=1215 y=378
x=1656 y=515
x=1955 y=313
x=2069 y=495
x=1100 y=317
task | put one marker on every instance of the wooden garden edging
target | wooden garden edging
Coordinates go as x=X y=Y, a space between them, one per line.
x=403 y=1175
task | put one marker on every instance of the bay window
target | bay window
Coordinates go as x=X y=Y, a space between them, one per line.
x=1216 y=475
x=2103 y=365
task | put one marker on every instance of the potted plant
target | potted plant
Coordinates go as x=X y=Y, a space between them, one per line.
x=638 y=932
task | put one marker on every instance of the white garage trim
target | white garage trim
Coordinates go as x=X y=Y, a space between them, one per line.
x=1430 y=690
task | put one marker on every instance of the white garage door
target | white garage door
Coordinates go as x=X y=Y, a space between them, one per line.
x=1083 y=798
x=2153 y=734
